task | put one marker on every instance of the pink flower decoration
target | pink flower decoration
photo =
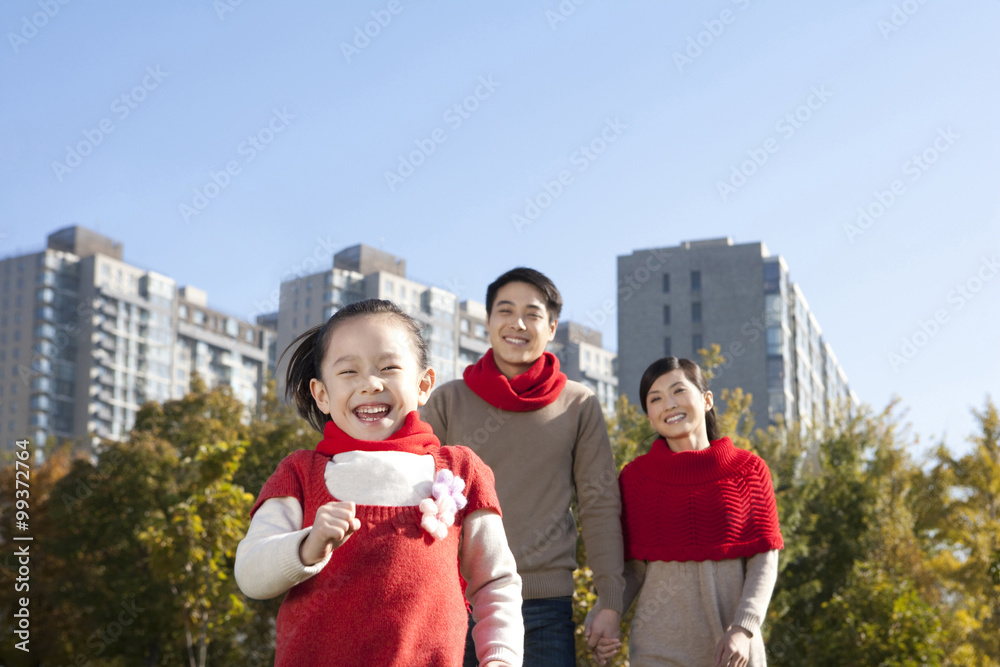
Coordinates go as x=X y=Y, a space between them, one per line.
x=447 y=499
x=451 y=485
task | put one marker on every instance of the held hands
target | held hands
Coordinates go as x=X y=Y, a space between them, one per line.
x=334 y=523
x=603 y=632
x=733 y=650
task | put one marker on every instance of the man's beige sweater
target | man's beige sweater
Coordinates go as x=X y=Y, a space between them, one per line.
x=540 y=458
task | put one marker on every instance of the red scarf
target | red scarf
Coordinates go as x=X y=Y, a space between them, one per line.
x=414 y=436
x=712 y=504
x=531 y=390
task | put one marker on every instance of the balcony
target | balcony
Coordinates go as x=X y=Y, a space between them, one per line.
x=41 y=385
x=45 y=331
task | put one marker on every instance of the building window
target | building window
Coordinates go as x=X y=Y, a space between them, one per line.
x=775 y=373
x=464 y=325
x=666 y=314
x=666 y=346
x=199 y=317
x=696 y=311
x=666 y=284
x=480 y=331
x=696 y=280
x=775 y=340
x=772 y=277
x=696 y=343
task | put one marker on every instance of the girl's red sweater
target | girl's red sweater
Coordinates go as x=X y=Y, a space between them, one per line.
x=390 y=595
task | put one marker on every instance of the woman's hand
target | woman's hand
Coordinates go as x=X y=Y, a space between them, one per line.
x=606 y=649
x=334 y=523
x=603 y=630
x=733 y=650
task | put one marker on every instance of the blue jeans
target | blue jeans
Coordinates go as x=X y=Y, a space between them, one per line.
x=548 y=634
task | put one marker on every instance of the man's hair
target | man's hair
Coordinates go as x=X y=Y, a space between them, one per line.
x=537 y=279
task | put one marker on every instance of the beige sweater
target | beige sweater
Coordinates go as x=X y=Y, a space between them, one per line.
x=540 y=458
x=684 y=608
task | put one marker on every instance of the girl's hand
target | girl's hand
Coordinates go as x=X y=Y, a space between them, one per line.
x=334 y=523
x=733 y=649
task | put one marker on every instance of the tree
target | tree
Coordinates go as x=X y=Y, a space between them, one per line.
x=853 y=588
x=960 y=521
x=151 y=525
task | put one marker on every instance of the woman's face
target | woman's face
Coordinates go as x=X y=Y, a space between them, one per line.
x=676 y=407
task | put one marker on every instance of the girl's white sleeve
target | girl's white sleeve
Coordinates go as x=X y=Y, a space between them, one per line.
x=493 y=589
x=761 y=575
x=267 y=559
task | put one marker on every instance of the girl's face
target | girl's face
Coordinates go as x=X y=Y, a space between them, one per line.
x=370 y=377
x=676 y=408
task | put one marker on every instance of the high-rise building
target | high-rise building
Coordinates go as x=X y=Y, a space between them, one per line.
x=583 y=359
x=678 y=300
x=473 y=338
x=86 y=338
x=456 y=331
x=362 y=272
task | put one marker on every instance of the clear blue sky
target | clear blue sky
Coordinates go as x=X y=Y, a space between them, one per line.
x=886 y=80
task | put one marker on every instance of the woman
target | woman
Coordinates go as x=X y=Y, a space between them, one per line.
x=701 y=532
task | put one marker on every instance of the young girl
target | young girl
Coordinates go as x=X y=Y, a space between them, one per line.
x=701 y=532
x=365 y=534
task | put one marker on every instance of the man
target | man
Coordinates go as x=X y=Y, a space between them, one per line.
x=545 y=438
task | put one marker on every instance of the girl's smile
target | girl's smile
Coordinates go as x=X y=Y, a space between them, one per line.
x=370 y=378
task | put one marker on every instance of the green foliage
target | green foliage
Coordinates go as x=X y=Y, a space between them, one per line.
x=878 y=619
x=886 y=562
x=141 y=535
x=960 y=523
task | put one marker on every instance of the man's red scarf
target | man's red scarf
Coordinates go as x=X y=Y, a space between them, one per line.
x=712 y=504
x=531 y=390
x=414 y=436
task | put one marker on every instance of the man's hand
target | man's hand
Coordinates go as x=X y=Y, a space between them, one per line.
x=334 y=523
x=603 y=632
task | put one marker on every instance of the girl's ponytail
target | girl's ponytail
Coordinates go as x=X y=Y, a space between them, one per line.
x=303 y=366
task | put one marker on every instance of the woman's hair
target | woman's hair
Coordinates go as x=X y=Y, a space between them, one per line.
x=306 y=361
x=692 y=372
